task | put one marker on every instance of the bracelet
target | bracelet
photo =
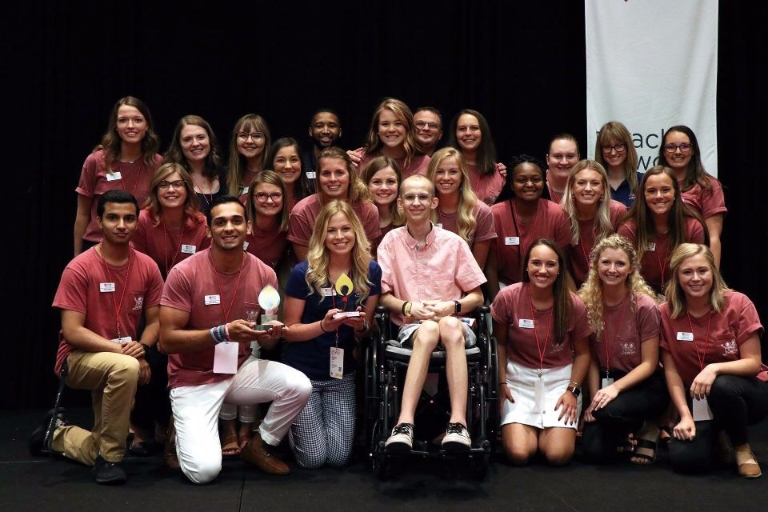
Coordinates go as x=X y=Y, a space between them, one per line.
x=215 y=335
x=321 y=326
x=226 y=332
x=145 y=347
x=575 y=384
x=365 y=326
x=406 y=308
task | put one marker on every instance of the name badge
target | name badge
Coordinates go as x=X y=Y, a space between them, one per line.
x=652 y=247
x=539 y=394
x=123 y=340
x=112 y=176
x=337 y=363
x=212 y=299
x=525 y=323
x=684 y=336
x=311 y=174
x=106 y=287
x=605 y=382
x=225 y=358
x=327 y=292
x=511 y=240
x=188 y=249
x=701 y=410
x=245 y=191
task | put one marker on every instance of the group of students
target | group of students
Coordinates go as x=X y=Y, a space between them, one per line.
x=594 y=274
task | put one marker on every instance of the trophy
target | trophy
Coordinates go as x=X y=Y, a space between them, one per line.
x=344 y=287
x=269 y=300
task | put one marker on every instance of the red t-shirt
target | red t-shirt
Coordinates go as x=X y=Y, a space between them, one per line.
x=708 y=202
x=484 y=229
x=129 y=290
x=304 y=214
x=578 y=255
x=269 y=246
x=418 y=164
x=95 y=180
x=627 y=326
x=186 y=288
x=530 y=334
x=486 y=187
x=713 y=338
x=166 y=246
x=550 y=222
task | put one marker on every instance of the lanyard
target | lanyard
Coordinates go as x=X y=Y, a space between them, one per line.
x=344 y=300
x=610 y=344
x=138 y=178
x=662 y=262
x=226 y=312
x=118 y=307
x=518 y=227
x=542 y=351
x=165 y=246
x=207 y=201
x=701 y=356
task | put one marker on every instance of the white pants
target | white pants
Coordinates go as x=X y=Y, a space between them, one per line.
x=196 y=412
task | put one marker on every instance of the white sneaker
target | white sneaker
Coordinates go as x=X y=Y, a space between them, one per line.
x=456 y=438
x=401 y=439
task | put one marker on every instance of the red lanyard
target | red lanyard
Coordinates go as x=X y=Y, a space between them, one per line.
x=118 y=307
x=609 y=345
x=208 y=201
x=662 y=262
x=218 y=284
x=701 y=356
x=518 y=225
x=543 y=351
x=135 y=183
x=165 y=246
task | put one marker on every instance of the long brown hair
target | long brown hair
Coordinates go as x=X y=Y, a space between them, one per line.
x=562 y=304
x=111 y=143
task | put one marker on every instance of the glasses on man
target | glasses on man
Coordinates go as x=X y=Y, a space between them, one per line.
x=165 y=185
x=672 y=148
x=423 y=125
x=619 y=148
x=263 y=196
x=412 y=198
x=244 y=136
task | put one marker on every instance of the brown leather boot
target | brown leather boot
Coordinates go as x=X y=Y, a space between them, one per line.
x=169 y=448
x=260 y=454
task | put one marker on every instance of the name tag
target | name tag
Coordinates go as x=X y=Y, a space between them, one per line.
x=652 y=247
x=684 y=336
x=112 y=176
x=245 y=191
x=337 y=363
x=701 y=410
x=311 y=174
x=106 y=287
x=188 y=249
x=212 y=299
x=327 y=292
x=123 y=340
x=525 y=323
x=225 y=358
x=605 y=382
x=511 y=240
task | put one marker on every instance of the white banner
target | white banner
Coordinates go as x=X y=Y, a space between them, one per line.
x=652 y=64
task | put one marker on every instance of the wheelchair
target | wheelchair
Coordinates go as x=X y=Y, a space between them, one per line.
x=386 y=365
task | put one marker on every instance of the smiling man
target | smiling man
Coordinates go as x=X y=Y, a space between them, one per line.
x=324 y=131
x=428 y=276
x=429 y=128
x=206 y=327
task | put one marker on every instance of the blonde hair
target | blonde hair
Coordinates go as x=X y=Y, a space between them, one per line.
x=466 y=224
x=602 y=226
x=674 y=292
x=591 y=292
x=237 y=165
x=318 y=257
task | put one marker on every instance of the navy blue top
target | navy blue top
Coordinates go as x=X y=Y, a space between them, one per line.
x=313 y=357
x=623 y=194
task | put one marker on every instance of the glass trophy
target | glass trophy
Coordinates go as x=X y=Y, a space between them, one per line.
x=344 y=287
x=269 y=300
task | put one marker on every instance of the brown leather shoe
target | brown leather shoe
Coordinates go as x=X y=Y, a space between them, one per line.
x=750 y=469
x=260 y=454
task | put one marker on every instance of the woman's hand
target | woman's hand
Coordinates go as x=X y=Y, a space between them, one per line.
x=603 y=397
x=702 y=384
x=685 y=430
x=569 y=406
x=506 y=393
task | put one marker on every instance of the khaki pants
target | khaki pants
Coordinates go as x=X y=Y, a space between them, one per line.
x=112 y=379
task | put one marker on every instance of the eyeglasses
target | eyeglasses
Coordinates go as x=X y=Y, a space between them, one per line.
x=263 y=196
x=619 y=148
x=423 y=125
x=411 y=198
x=244 y=136
x=671 y=148
x=165 y=185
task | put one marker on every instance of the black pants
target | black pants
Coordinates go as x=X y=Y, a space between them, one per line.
x=736 y=402
x=153 y=404
x=625 y=413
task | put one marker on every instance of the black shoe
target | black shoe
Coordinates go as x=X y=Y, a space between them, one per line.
x=38 y=444
x=108 y=473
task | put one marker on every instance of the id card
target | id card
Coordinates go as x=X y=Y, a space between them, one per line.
x=652 y=247
x=123 y=340
x=511 y=240
x=701 y=410
x=525 y=323
x=684 y=336
x=311 y=175
x=538 y=395
x=337 y=363
x=188 y=249
x=211 y=300
x=113 y=176
x=225 y=358
x=327 y=292
x=605 y=382
x=106 y=287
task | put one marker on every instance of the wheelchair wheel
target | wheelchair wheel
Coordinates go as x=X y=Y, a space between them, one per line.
x=379 y=461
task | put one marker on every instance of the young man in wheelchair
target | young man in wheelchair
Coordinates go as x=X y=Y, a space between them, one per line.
x=429 y=275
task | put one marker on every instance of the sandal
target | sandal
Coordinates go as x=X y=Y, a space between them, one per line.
x=645 y=452
x=230 y=446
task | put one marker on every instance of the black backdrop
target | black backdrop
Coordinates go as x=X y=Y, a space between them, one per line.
x=520 y=63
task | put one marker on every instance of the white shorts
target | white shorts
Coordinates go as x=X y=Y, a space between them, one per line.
x=522 y=381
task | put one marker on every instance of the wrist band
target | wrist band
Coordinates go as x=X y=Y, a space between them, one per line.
x=214 y=335
x=321 y=326
x=226 y=332
x=145 y=347
x=405 y=307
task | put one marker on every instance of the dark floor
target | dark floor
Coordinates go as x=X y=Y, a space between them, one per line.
x=42 y=484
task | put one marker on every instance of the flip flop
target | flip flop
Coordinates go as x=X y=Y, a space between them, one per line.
x=230 y=446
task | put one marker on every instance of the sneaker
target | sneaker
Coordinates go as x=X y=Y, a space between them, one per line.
x=260 y=454
x=456 y=438
x=108 y=473
x=38 y=444
x=401 y=439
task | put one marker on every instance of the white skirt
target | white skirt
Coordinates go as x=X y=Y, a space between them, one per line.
x=525 y=410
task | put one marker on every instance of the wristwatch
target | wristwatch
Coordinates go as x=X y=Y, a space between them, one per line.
x=458 y=306
x=575 y=390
